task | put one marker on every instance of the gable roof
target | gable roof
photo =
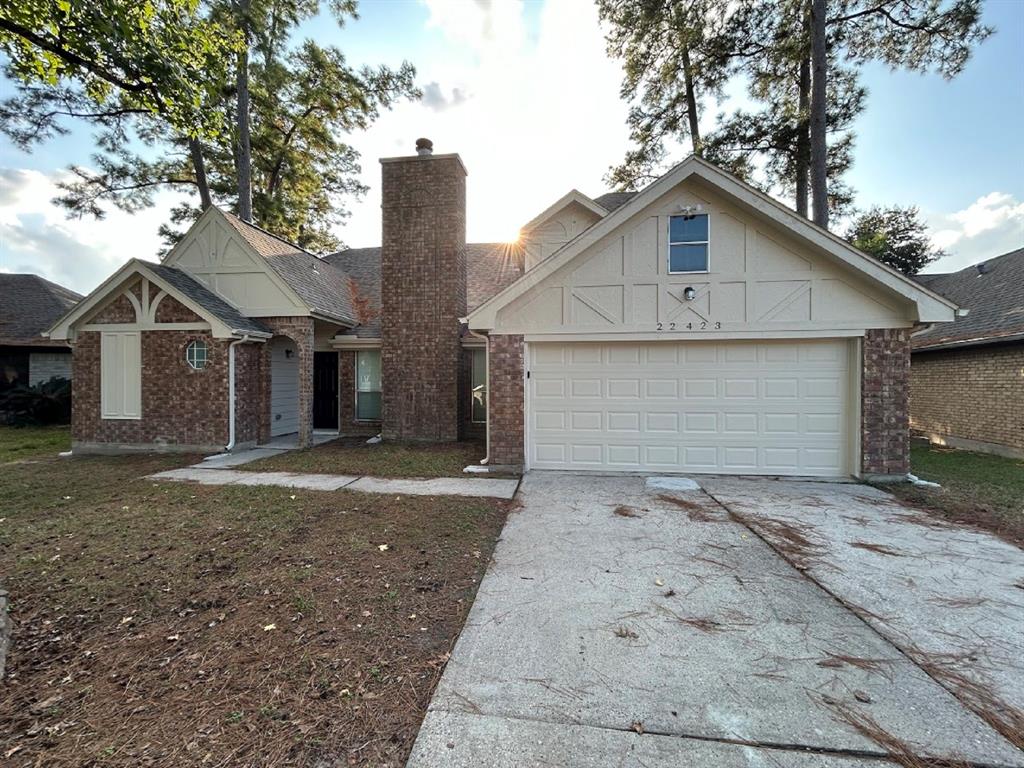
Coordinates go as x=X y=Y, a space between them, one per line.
x=319 y=284
x=931 y=307
x=572 y=196
x=29 y=305
x=612 y=200
x=225 y=319
x=994 y=299
x=490 y=267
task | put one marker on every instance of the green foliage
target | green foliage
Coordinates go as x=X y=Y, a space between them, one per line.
x=895 y=236
x=44 y=404
x=112 y=57
x=304 y=100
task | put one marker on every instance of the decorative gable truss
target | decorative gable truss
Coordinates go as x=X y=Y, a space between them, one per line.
x=769 y=271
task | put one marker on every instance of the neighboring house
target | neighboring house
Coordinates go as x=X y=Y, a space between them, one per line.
x=697 y=326
x=29 y=305
x=967 y=377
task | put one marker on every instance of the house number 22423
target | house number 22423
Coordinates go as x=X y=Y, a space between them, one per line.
x=701 y=326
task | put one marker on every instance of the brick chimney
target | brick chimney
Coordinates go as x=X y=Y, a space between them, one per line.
x=423 y=293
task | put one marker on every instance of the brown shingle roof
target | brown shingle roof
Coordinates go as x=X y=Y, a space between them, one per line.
x=321 y=285
x=490 y=267
x=29 y=305
x=994 y=299
x=612 y=200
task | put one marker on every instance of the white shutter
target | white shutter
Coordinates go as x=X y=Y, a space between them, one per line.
x=121 y=375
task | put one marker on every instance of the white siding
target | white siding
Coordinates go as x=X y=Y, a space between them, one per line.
x=43 y=366
x=734 y=407
x=121 y=375
x=284 y=388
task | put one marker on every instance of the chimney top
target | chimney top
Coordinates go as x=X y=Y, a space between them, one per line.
x=424 y=147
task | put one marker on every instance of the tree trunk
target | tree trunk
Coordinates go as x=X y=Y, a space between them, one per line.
x=243 y=163
x=819 y=140
x=803 y=135
x=195 y=150
x=691 y=103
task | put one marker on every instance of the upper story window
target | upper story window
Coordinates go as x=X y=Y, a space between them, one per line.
x=196 y=355
x=688 y=243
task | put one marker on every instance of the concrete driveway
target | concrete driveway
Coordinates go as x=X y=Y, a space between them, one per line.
x=622 y=624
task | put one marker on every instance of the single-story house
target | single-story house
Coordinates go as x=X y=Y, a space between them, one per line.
x=29 y=305
x=967 y=377
x=695 y=326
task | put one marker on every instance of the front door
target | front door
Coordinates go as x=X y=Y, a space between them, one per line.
x=325 y=390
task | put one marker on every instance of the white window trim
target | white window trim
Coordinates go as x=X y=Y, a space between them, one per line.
x=118 y=411
x=487 y=391
x=668 y=248
x=357 y=390
x=206 y=354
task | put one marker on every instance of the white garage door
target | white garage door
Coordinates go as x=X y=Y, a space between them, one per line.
x=737 y=407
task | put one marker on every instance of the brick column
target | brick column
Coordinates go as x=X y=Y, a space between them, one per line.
x=506 y=400
x=885 y=402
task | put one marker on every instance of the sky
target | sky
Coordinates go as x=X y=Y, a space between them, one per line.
x=524 y=91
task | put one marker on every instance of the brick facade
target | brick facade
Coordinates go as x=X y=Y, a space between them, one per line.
x=423 y=295
x=300 y=331
x=507 y=398
x=974 y=394
x=885 y=402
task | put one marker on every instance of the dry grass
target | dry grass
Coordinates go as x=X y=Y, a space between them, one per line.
x=881 y=549
x=974 y=693
x=840 y=660
x=793 y=540
x=179 y=625
x=698 y=513
x=624 y=511
x=352 y=456
x=898 y=750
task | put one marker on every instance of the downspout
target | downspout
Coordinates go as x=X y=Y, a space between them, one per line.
x=231 y=391
x=487 y=366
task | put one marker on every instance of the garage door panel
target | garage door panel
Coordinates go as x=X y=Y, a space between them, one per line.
x=751 y=407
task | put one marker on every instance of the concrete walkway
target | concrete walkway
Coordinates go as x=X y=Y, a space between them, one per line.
x=621 y=625
x=498 y=488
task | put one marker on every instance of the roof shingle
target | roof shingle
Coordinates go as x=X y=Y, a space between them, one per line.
x=994 y=299
x=29 y=305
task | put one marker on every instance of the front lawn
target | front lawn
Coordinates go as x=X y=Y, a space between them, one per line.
x=352 y=456
x=174 y=624
x=977 y=488
x=29 y=442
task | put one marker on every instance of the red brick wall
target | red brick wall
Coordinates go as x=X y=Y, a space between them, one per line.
x=248 y=373
x=347 y=398
x=423 y=295
x=885 y=406
x=120 y=310
x=180 y=406
x=299 y=330
x=974 y=394
x=506 y=390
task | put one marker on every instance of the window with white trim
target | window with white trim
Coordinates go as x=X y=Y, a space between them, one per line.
x=688 y=243
x=478 y=386
x=121 y=375
x=196 y=354
x=368 y=385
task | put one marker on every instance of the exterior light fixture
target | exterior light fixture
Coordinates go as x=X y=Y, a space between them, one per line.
x=689 y=294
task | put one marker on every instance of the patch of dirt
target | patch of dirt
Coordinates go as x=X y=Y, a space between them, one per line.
x=180 y=625
x=624 y=511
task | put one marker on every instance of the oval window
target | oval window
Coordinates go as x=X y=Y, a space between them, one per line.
x=195 y=353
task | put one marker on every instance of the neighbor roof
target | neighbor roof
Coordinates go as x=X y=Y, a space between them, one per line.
x=29 y=305
x=321 y=285
x=208 y=300
x=612 y=200
x=490 y=268
x=993 y=298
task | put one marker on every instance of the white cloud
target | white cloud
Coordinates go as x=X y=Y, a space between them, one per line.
x=991 y=225
x=535 y=114
x=35 y=235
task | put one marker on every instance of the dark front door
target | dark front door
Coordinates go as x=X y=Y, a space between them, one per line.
x=325 y=390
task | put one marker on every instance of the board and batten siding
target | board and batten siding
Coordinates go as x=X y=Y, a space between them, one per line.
x=121 y=375
x=760 y=280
